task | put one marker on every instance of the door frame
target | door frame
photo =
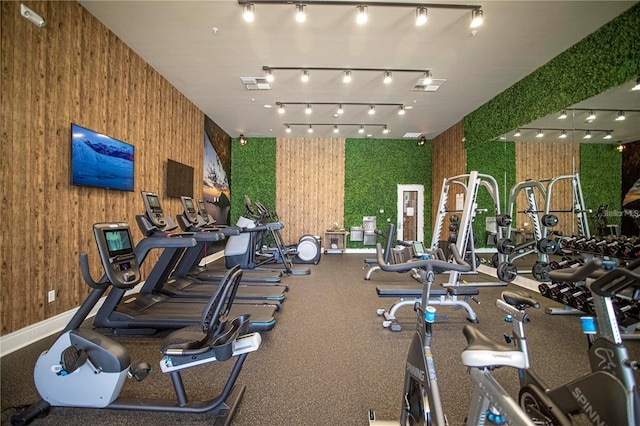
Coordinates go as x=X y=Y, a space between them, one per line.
x=419 y=210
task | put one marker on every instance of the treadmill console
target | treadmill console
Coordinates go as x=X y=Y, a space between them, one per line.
x=153 y=209
x=117 y=255
x=190 y=211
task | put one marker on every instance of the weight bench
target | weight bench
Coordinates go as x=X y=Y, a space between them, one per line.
x=440 y=296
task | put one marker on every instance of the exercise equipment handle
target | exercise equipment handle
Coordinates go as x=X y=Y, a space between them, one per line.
x=437 y=266
x=573 y=275
x=610 y=283
x=86 y=274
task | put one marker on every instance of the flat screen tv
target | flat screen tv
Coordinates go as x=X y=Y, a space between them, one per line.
x=179 y=179
x=100 y=161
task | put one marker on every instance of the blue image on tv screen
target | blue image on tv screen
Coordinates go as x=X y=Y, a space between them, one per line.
x=100 y=161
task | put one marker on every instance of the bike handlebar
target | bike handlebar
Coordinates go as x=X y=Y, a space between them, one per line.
x=437 y=266
x=576 y=274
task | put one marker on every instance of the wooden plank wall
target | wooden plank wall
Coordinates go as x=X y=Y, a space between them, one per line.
x=449 y=158
x=75 y=70
x=545 y=160
x=310 y=185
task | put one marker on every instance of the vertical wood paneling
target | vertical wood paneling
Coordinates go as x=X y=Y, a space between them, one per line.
x=546 y=160
x=310 y=185
x=75 y=70
x=448 y=160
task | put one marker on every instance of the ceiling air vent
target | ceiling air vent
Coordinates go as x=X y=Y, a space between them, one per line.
x=255 y=83
x=432 y=87
x=412 y=135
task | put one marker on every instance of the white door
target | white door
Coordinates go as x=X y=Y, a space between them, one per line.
x=410 y=224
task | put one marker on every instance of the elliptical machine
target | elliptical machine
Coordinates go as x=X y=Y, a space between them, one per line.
x=86 y=369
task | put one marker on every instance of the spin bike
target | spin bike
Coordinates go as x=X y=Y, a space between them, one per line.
x=607 y=395
x=86 y=369
x=421 y=403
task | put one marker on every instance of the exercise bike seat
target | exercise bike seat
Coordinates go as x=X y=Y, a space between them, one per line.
x=518 y=300
x=192 y=341
x=482 y=351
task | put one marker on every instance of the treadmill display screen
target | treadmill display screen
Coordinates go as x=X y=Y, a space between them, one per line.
x=118 y=242
x=188 y=203
x=201 y=208
x=418 y=248
x=154 y=203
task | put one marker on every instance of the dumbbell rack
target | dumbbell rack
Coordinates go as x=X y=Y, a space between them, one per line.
x=578 y=298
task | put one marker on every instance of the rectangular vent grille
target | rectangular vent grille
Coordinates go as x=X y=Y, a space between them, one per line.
x=422 y=87
x=255 y=83
x=412 y=135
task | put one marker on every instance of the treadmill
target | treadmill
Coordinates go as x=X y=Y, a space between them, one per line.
x=146 y=313
x=163 y=280
x=192 y=220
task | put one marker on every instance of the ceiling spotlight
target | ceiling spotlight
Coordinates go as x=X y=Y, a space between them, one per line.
x=362 y=16
x=346 y=78
x=247 y=12
x=288 y=129
x=426 y=78
x=372 y=109
x=637 y=86
x=422 y=141
x=563 y=115
x=620 y=148
x=335 y=129
x=401 y=110
x=387 y=77
x=477 y=18
x=620 y=116
x=310 y=129
x=340 y=110
x=307 y=110
x=305 y=76
x=281 y=109
x=269 y=76
x=385 y=130
x=563 y=135
x=517 y=133
x=591 y=116
x=242 y=140
x=301 y=15
x=361 y=129
x=587 y=135
x=421 y=15
x=540 y=134
x=607 y=135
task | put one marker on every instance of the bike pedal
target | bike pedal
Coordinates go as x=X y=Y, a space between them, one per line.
x=139 y=371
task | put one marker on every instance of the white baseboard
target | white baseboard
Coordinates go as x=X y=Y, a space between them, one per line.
x=25 y=336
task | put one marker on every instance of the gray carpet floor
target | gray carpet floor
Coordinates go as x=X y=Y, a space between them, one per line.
x=327 y=361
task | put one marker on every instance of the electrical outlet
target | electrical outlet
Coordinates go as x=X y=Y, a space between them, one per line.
x=51 y=296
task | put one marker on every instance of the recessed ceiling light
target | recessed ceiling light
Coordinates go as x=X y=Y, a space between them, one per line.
x=268 y=105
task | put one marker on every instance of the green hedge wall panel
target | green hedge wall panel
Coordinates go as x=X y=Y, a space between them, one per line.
x=497 y=159
x=601 y=179
x=373 y=169
x=607 y=58
x=253 y=173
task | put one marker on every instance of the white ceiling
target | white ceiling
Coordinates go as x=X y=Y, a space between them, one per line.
x=177 y=38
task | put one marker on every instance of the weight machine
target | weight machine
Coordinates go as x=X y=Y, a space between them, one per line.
x=543 y=219
x=470 y=184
